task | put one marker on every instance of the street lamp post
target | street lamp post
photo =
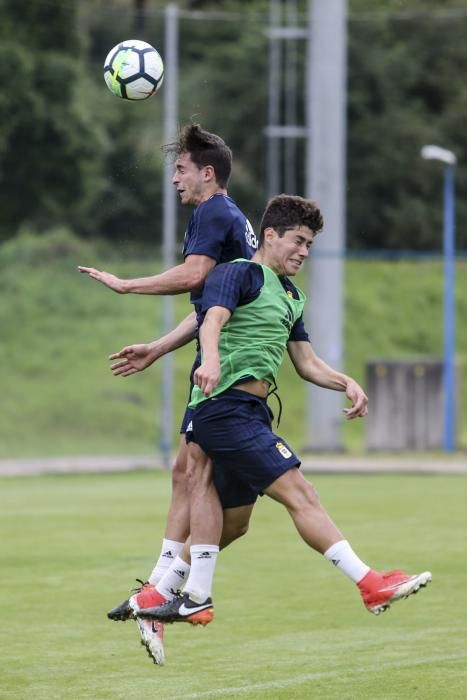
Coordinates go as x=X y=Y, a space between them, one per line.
x=449 y=160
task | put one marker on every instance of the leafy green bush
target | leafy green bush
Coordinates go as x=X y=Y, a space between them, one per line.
x=56 y=245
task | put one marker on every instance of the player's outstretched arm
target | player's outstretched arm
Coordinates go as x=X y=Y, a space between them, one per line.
x=313 y=369
x=106 y=278
x=135 y=358
x=177 y=280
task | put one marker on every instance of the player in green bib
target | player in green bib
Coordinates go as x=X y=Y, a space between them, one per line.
x=250 y=314
x=253 y=343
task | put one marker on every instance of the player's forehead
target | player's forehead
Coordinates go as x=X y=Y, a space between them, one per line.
x=300 y=232
x=184 y=161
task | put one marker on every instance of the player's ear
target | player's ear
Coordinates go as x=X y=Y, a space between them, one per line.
x=209 y=173
x=269 y=234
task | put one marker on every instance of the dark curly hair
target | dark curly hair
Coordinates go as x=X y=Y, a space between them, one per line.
x=204 y=149
x=286 y=211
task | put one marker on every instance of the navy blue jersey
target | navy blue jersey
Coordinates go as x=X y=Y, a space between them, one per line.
x=217 y=228
x=235 y=285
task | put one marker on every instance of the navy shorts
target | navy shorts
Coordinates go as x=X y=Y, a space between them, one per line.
x=235 y=430
x=187 y=417
x=189 y=411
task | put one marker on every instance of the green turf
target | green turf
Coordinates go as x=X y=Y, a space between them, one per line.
x=288 y=625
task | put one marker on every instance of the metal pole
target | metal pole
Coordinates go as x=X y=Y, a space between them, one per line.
x=326 y=149
x=448 y=158
x=274 y=100
x=290 y=146
x=449 y=311
x=169 y=225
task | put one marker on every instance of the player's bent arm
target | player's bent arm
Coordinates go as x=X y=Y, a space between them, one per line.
x=182 y=334
x=136 y=358
x=208 y=373
x=313 y=369
x=177 y=280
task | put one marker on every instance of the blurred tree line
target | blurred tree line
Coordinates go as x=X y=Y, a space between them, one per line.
x=72 y=154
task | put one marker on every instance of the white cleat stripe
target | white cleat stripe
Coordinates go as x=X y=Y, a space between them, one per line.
x=152 y=642
x=185 y=612
x=404 y=590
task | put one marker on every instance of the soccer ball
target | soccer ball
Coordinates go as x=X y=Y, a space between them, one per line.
x=133 y=70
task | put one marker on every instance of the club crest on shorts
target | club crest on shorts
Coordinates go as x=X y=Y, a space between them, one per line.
x=285 y=452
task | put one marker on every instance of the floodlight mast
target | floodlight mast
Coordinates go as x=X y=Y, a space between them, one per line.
x=449 y=160
x=169 y=226
x=437 y=153
x=325 y=158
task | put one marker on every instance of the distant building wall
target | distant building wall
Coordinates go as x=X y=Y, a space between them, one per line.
x=405 y=404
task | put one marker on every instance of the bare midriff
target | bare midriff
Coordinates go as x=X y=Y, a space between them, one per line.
x=258 y=387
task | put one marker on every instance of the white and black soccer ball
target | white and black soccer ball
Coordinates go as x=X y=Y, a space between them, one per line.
x=133 y=70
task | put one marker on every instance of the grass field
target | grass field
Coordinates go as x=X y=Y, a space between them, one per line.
x=288 y=625
x=59 y=397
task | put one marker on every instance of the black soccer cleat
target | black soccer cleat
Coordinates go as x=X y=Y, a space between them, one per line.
x=126 y=609
x=121 y=612
x=181 y=609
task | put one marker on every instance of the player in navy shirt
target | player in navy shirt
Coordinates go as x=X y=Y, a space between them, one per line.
x=217 y=232
x=246 y=330
x=218 y=229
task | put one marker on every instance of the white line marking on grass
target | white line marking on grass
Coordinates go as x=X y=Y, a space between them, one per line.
x=304 y=678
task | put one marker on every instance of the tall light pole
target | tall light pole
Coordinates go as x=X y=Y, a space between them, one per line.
x=325 y=157
x=169 y=224
x=449 y=160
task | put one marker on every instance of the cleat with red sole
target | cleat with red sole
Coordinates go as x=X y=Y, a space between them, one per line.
x=380 y=590
x=181 y=609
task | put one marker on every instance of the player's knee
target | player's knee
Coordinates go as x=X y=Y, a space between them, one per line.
x=239 y=530
x=199 y=473
x=232 y=532
x=294 y=491
x=199 y=469
x=199 y=477
x=179 y=471
x=304 y=496
x=312 y=495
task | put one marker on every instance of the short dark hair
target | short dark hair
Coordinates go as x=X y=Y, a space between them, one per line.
x=204 y=149
x=287 y=211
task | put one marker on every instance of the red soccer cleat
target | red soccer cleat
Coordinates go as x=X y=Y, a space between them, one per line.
x=147 y=597
x=152 y=638
x=379 y=590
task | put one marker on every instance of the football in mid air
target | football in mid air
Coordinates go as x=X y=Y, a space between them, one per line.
x=133 y=70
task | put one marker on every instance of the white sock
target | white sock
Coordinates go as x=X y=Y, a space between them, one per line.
x=342 y=555
x=203 y=564
x=170 y=550
x=174 y=578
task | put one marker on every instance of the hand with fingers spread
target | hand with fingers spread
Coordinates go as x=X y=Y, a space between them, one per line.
x=359 y=400
x=134 y=358
x=106 y=278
